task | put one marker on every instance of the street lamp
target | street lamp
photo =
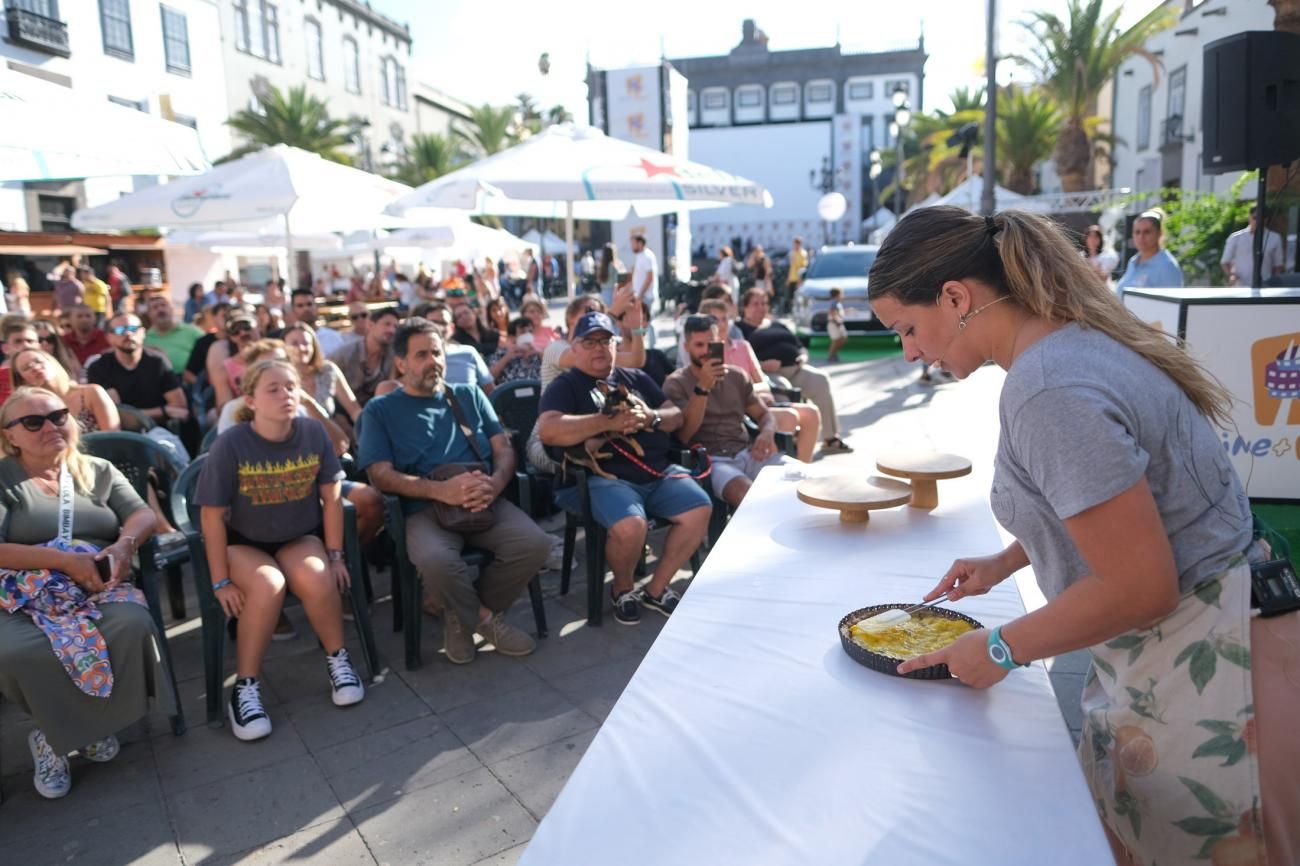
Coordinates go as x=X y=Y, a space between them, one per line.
x=874 y=173
x=825 y=183
x=902 y=119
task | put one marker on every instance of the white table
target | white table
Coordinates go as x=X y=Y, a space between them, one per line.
x=747 y=736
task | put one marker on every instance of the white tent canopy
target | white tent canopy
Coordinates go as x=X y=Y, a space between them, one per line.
x=44 y=136
x=269 y=236
x=580 y=173
x=460 y=238
x=551 y=243
x=967 y=194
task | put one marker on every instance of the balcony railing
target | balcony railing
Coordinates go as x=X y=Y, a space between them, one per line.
x=38 y=32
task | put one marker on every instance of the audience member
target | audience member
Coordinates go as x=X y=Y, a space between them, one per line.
x=645 y=272
x=321 y=377
x=497 y=316
x=173 y=339
x=571 y=417
x=90 y=405
x=518 y=358
x=224 y=366
x=270 y=321
x=367 y=362
x=779 y=351
x=194 y=303
x=473 y=333
x=104 y=672
x=1238 y=261
x=803 y=420
x=213 y=322
x=359 y=316
x=462 y=364
x=535 y=310
x=67 y=291
x=304 y=310
x=272 y=517
x=218 y=295
x=607 y=273
x=84 y=337
x=18 y=335
x=94 y=293
x=407 y=437
x=19 y=294
x=798 y=263
x=714 y=400
x=119 y=288
x=137 y=378
x=1152 y=266
x=273 y=294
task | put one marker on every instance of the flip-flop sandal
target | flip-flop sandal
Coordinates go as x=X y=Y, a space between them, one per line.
x=836 y=445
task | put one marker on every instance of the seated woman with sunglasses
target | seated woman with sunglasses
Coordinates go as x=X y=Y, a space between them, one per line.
x=47 y=334
x=269 y=494
x=104 y=672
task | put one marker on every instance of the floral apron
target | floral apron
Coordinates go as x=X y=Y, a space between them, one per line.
x=1168 y=739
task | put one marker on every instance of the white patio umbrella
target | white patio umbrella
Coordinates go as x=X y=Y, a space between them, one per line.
x=42 y=136
x=550 y=243
x=307 y=192
x=459 y=233
x=580 y=173
x=269 y=236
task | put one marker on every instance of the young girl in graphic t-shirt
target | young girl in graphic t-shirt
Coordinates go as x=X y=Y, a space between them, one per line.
x=272 y=518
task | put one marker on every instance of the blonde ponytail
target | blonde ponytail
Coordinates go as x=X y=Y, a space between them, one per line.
x=1031 y=259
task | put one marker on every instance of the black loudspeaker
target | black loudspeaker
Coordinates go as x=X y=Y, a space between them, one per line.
x=1250 y=101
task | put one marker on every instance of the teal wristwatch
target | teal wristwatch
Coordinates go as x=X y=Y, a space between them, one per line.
x=1000 y=653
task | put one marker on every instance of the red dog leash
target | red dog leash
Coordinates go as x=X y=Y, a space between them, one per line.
x=696 y=450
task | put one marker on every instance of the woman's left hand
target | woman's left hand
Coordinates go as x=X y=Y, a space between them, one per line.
x=967 y=659
x=121 y=553
x=342 y=577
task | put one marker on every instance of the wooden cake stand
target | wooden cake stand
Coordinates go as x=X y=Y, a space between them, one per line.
x=923 y=469
x=854 y=498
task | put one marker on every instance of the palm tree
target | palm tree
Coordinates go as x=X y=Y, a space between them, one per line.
x=1029 y=125
x=428 y=157
x=295 y=119
x=966 y=99
x=490 y=129
x=1073 y=59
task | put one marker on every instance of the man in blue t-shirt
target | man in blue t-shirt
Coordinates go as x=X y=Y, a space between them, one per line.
x=407 y=434
x=572 y=413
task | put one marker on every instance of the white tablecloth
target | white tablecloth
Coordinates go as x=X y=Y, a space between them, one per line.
x=748 y=736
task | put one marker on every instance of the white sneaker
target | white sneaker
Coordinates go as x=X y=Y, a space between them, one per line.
x=347 y=686
x=102 y=751
x=52 y=778
x=248 y=718
x=555 y=559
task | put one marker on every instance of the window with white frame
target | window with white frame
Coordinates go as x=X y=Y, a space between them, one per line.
x=257 y=29
x=1144 y=118
x=690 y=101
x=393 y=84
x=137 y=104
x=176 y=41
x=785 y=94
x=315 y=49
x=860 y=90
x=749 y=96
x=819 y=91
x=892 y=87
x=115 y=22
x=715 y=98
x=1177 y=93
x=43 y=8
x=351 y=65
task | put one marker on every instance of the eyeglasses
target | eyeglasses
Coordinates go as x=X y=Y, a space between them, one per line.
x=597 y=342
x=240 y=330
x=48 y=338
x=33 y=423
x=358 y=316
x=127 y=329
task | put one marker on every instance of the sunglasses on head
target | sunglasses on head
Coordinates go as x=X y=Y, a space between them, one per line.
x=33 y=423
x=119 y=330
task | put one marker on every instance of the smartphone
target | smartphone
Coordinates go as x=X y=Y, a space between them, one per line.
x=105 y=567
x=717 y=352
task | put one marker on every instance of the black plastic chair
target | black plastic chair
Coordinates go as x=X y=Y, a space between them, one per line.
x=141 y=460
x=408 y=588
x=134 y=455
x=214 y=618
x=208 y=438
x=516 y=404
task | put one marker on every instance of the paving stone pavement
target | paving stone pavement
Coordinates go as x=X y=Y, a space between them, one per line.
x=444 y=765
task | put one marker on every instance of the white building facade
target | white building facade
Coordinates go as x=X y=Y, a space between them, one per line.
x=144 y=54
x=345 y=53
x=1157 y=116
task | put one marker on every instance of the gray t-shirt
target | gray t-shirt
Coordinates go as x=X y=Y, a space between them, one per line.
x=271 y=488
x=29 y=515
x=1083 y=418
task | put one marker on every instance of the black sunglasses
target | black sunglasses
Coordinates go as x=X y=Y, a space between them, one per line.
x=357 y=316
x=48 y=338
x=240 y=329
x=127 y=329
x=33 y=423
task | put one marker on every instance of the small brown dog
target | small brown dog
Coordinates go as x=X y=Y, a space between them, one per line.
x=588 y=454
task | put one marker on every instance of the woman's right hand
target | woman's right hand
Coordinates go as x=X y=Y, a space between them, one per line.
x=974 y=575
x=231 y=599
x=83 y=571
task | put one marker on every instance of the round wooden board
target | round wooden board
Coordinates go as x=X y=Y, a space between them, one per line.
x=923 y=465
x=853 y=497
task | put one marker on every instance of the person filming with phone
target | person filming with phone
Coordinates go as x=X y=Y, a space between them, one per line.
x=714 y=400
x=78 y=648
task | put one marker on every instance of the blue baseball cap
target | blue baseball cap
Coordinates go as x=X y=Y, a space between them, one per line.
x=594 y=321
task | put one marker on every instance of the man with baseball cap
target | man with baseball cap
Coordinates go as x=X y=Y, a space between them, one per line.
x=584 y=407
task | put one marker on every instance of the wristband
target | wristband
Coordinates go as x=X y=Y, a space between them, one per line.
x=335 y=555
x=640 y=332
x=701 y=392
x=222 y=584
x=132 y=540
x=1000 y=652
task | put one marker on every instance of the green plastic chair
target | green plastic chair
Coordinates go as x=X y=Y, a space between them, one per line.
x=214 y=618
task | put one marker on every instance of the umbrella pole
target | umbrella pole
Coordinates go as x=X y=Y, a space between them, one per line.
x=568 y=246
x=289 y=265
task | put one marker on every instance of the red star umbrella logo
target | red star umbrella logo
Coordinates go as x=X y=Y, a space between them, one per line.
x=651 y=169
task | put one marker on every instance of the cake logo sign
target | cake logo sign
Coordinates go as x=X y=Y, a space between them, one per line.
x=1275 y=383
x=188 y=205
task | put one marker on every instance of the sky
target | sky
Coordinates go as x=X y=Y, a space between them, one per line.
x=487 y=50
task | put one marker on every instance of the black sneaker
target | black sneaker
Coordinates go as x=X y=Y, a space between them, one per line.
x=346 y=685
x=627 y=607
x=248 y=719
x=665 y=604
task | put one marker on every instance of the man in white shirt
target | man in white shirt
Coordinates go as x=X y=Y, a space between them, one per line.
x=645 y=272
x=1238 y=260
x=303 y=303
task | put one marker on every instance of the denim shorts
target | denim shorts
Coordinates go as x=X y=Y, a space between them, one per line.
x=613 y=500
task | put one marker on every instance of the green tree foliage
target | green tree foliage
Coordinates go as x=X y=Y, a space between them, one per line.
x=1197 y=225
x=427 y=158
x=1029 y=123
x=490 y=130
x=1074 y=58
x=293 y=118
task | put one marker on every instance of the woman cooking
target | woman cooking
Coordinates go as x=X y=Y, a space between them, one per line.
x=1111 y=477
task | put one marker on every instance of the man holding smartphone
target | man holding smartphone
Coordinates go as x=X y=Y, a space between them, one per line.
x=714 y=400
